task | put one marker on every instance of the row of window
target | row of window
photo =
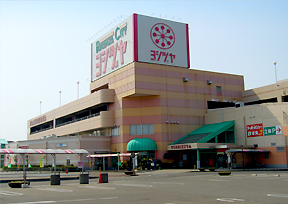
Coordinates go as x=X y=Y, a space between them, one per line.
x=144 y=129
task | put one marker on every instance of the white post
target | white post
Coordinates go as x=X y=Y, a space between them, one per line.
x=24 y=172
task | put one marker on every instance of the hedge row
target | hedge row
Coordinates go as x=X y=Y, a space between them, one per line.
x=37 y=168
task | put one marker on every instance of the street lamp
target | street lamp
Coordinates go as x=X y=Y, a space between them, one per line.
x=78 y=89
x=275 y=71
x=40 y=107
x=60 y=96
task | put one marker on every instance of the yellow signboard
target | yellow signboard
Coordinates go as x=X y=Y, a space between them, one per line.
x=42 y=162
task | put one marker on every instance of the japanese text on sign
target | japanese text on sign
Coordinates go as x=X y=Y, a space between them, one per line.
x=254 y=130
x=273 y=130
x=162 y=56
x=110 y=52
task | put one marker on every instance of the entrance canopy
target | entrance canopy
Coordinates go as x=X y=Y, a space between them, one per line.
x=246 y=150
x=208 y=134
x=43 y=151
x=53 y=152
x=141 y=144
x=110 y=155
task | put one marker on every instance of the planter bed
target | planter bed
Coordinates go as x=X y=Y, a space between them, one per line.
x=224 y=173
x=17 y=184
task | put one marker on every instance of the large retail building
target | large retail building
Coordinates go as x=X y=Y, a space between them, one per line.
x=145 y=98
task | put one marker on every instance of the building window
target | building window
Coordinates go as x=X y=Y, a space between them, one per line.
x=116 y=131
x=146 y=129
x=273 y=144
x=280 y=148
x=218 y=89
x=135 y=130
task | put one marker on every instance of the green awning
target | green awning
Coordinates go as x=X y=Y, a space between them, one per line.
x=141 y=144
x=206 y=132
x=3 y=141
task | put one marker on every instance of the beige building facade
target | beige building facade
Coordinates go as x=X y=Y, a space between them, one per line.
x=265 y=106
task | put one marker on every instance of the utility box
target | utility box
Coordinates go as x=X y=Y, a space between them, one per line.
x=104 y=177
x=84 y=178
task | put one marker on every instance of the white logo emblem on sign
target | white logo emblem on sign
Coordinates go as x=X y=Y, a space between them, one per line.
x=162 y=36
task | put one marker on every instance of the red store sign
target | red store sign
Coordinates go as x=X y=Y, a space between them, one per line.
x=254 y=130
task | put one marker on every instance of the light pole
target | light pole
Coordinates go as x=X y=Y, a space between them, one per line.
x=242 y=158
x=40 y=107
x=275 y=71
x=60 y=96
x=78 y=89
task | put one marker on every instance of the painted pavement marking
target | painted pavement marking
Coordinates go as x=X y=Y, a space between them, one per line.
x=67 y=201
x=97 y=187
x=216 y=180
x=55 y=189
x=9 y=193
x=86 y=199
x=135 y=185
x=278 y=195
x=230 y=200
x=168 y=183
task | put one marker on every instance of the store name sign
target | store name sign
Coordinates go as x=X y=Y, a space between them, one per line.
x=273 y=130
x=112 y=51
x=38 y=120
x=254 y=130
x=180 y=146
x=141 y=39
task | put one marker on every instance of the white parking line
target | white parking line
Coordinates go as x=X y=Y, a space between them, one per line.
x=67 y=201
x=9 y=193
x=168 y=183
x=86 y=199
x=278 y=195
x=230 y=200
x=135 y=185
x=216 y=180
x=97 y=187
x=55 y=189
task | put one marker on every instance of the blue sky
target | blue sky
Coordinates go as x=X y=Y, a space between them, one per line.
x=45 y=47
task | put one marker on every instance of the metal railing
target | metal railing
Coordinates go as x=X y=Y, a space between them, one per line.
x=78 y=119
x=37 y=131
x=66 y=123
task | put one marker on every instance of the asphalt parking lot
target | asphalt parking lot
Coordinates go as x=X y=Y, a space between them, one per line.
x=163 y=187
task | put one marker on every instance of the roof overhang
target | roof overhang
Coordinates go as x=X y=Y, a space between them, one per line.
x=246 y=150
x=205 y=133
x=192 y=146
x=110 y=155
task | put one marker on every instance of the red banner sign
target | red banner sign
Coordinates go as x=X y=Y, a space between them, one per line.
x=254 y=130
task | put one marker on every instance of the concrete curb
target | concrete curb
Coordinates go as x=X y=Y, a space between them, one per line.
x=45 y=179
